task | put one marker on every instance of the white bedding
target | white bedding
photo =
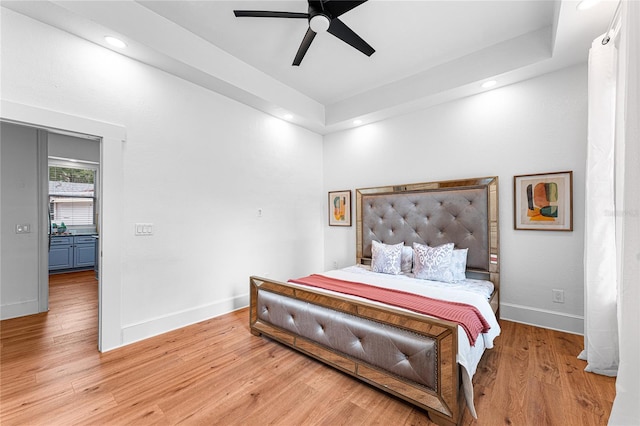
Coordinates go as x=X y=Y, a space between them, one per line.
x=472 y=292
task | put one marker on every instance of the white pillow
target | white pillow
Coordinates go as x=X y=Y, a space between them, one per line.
x=458 y=265
x=406 y=264
x=432 y=263
x=386 y=258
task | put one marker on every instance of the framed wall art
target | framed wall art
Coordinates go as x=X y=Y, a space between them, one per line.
x=543 y=201
x=340 y=208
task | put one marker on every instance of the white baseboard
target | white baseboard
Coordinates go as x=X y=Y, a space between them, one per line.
x=542 y=318
x=518 y=313
x=20 y=309
x=143 y=330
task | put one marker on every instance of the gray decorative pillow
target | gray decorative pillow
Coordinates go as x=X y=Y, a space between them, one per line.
x=458 y=265
x=432 y=263
x=407 y=260
x=386 y=258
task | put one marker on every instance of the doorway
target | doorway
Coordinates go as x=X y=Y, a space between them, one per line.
x=73 y=203
x=42 y=169
x=110 y=218
x=73 y=200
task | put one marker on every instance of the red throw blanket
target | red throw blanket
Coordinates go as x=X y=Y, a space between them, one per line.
x=467 y=316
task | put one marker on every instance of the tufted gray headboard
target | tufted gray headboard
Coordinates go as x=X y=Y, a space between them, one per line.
x=464 y=212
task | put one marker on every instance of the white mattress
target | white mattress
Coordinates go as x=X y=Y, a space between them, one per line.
x=472 y=292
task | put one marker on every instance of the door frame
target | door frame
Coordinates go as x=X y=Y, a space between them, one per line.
x=110 y=219
x=43 y=221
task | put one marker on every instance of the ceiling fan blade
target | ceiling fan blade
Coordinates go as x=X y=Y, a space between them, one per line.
x=344 y=33
x=269 y=14
x=304 y=46
x=338 y=7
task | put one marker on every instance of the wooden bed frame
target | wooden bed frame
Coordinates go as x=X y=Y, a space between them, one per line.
x=445 y=403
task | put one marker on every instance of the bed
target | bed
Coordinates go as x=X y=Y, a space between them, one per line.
x=425 y=360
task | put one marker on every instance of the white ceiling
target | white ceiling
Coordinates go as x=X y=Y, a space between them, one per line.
x=427 y=51
x=409 y=36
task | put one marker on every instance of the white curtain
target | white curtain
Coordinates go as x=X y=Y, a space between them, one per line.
x=626 y=407
x=612 y=215
x=601 y=328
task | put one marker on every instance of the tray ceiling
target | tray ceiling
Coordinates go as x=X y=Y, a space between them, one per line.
x=427 y=52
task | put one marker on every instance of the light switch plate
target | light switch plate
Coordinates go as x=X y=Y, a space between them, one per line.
x=24 y=228
x=144 y=229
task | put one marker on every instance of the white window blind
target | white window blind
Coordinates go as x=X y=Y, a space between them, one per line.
x=72 y=211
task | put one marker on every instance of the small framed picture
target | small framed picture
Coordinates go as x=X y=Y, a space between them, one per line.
x=543 y=202
x=340 y=208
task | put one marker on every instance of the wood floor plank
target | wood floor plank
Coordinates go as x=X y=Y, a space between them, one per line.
x=217 y=372
x=128 y=414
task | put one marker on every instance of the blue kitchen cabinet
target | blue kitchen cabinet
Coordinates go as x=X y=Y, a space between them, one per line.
x=61 y=253
x=72 y=252
x=84 y=251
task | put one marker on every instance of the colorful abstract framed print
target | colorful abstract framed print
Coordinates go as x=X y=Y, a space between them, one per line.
x=543 y=202
x=340 y=208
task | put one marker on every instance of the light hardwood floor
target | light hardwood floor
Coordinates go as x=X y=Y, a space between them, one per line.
x=217 y=372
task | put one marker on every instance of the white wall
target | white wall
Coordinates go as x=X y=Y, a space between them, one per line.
x=195 y=164
x=536 y=126
x=71 y=147
x=19 y=263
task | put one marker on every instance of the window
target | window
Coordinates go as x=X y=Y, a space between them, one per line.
x=72 y=194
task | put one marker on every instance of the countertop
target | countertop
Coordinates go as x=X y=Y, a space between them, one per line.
x=79 y=234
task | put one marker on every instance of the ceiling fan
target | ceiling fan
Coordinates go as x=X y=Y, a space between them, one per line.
x=322 y=16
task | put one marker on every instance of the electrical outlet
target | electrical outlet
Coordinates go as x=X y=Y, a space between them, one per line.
x=335 y=264
x=558 y=296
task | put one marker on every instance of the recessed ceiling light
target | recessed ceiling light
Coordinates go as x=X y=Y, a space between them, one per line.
x=587 y=4
x=357 y=122
x=288 y=116
x=489 y=83
x=115 y=42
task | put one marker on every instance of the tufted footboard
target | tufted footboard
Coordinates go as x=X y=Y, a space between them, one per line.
x=406 y=354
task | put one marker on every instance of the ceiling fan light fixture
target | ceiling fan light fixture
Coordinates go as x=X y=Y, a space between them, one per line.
x=319 y=23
